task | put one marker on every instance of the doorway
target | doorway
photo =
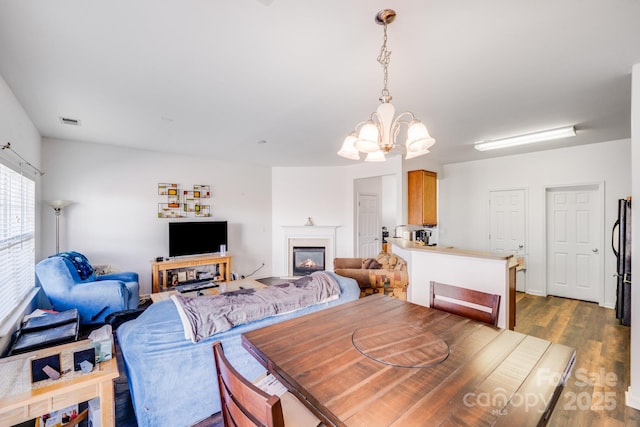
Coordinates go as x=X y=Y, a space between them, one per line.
x=574 y=236
x=368 y=234
x=367 y=223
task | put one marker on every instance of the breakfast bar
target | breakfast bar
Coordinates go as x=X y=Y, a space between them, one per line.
x=482 y=271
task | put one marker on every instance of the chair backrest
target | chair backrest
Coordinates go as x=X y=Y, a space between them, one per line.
x=244 y=404
x=464 y=302
x=79 y=263
x=56 y=276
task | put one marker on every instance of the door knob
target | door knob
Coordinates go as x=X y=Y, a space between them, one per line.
x=595 y=251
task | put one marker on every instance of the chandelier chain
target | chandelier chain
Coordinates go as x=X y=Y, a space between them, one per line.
x=383 y=59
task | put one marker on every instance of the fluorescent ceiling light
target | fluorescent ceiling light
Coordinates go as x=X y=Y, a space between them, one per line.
x=529 y=138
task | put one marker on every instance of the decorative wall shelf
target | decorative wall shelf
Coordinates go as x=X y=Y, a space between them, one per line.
x=183 y=203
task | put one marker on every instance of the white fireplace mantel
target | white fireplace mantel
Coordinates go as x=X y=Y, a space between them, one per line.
x=322 y=235
x=310 y=229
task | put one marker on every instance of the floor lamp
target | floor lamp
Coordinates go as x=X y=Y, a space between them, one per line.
x=57 y=206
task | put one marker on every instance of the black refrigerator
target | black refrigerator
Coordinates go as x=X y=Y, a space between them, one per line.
x=621 y=244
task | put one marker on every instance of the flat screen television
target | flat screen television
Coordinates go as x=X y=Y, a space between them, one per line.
x=197 y=238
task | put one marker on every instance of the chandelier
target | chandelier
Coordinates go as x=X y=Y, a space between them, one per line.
x=378 y=136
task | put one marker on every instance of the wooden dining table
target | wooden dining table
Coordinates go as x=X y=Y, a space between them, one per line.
x=379 y=361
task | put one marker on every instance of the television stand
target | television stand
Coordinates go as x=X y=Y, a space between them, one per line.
x=159 y=268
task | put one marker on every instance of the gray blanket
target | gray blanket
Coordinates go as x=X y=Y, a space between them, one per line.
x=204 y=316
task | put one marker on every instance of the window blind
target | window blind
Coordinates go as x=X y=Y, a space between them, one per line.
x=17 y=239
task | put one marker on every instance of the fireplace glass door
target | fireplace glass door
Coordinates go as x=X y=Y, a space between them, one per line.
x=307 y=259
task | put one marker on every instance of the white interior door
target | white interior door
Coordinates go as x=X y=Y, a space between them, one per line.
x=574 y=243
x=508 y=226
x=369 y=243
x=507 y=222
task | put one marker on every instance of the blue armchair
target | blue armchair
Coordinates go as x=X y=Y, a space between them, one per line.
x=69 y=282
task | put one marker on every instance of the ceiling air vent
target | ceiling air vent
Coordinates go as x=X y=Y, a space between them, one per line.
x=69 y=121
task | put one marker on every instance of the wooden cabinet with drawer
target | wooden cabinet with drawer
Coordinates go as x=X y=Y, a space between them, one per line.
x=422 y=198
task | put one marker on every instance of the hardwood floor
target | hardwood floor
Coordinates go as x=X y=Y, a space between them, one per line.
x=595 y=392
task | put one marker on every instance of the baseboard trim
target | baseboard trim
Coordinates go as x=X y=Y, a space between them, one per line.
x=632 y=400
x=536 y=293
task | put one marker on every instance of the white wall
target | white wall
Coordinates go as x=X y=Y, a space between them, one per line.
x=633 y=395
x=464 y=187
x=16 y=127
x=322 y=193
x=327 y=195
x=113 y=219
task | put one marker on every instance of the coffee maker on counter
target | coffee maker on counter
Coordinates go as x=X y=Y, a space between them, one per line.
x=427 y=236
x=423 y=236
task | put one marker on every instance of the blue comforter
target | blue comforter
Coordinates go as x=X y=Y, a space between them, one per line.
x=172 y=380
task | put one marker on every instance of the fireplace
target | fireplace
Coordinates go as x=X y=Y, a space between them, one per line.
x=307 y=259
x=312 y=239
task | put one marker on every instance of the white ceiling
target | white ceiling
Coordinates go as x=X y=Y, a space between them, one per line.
x=213 y=77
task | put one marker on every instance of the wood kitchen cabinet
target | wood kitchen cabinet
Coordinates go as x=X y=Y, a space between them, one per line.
x=423 y=197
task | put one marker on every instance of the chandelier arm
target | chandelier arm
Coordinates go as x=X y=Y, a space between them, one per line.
x=375 y=117
x=407 y=117
x=362 y=123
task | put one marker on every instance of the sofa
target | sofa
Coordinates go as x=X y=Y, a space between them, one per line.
x=68 y=280
x=172 y=379
x=385 y=274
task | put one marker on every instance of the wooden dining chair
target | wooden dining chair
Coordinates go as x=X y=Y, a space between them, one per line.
x=244 y=404
x=465 y=302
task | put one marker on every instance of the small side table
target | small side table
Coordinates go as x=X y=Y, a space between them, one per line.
x=21 y=400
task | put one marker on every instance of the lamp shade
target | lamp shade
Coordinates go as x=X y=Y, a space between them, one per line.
x=417 y=130
x=376 y=156
x=368 y=138
x=412 y=154
x=59 y=204
x=348 y=151
x=418 y=138
x=420 y=144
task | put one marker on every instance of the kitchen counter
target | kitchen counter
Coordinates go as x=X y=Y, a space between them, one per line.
x=448 y=250
x=482 y=271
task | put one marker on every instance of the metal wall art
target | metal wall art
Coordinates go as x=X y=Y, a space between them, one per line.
x=183 y=203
